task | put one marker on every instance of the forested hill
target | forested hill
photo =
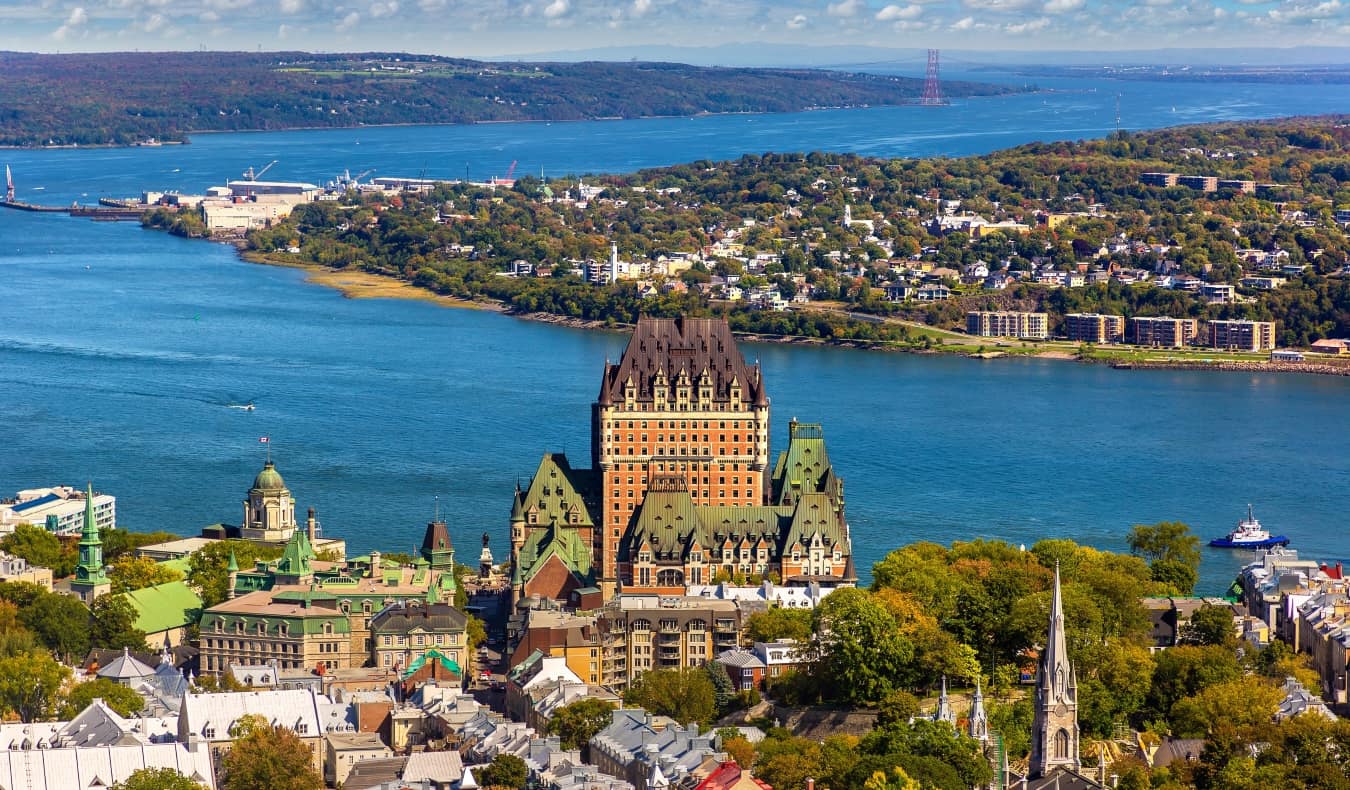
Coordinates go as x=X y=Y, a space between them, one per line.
x=123 y=98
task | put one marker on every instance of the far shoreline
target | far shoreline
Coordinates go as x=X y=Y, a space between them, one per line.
x=356 y=284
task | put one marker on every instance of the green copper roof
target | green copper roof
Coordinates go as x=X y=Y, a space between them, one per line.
x=558 y=494
x=269 y=479
x=164 y=606
x=804 y=467
x=90 y=570
x=295 y=560
x=555 y=541
x=432 y=655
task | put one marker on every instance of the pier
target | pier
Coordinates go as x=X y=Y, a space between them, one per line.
x=122 y=213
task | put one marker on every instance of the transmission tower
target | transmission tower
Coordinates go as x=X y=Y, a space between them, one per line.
x=932 y=89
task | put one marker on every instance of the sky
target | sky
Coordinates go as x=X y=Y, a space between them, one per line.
x=485 y=28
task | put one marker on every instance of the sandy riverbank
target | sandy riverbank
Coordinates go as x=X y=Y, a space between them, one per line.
x=355 y=284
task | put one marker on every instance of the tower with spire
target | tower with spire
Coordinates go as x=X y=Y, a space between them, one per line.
x=944 y=707
x=91 y=580
x=977 y=724
x=1054 y=732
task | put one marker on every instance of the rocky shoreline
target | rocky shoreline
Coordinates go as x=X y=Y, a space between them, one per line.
x=1322 y=369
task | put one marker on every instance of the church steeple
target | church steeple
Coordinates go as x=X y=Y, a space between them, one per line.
x=1054 y=734
x=944 y=707
x=90 y=579
x=977 y=726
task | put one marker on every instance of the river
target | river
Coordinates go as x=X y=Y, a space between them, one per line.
x=121 y=350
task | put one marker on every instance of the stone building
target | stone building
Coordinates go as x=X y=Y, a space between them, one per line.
x=680 y=489
x=403 y=633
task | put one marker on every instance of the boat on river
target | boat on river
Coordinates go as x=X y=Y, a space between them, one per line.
x=1249 y=535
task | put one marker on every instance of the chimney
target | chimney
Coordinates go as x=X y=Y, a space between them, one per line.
x=810 y=783
x=311 y=527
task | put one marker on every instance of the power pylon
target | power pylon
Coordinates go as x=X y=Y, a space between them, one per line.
x=932 y=88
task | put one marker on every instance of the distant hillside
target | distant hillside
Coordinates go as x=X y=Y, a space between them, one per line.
x=122 y=98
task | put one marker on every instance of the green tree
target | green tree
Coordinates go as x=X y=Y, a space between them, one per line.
x=1171 y=549
x=1211 y=625
x=121 y=542
x=42 y=548
x=61 y=622
x=779 y=623
x=156 y=779
x=267 y=757
x=862 y=652
x=685 y=694
x=505 y=770
x=30 y=686
x=135 y=573
x=113 y=624
x=206 y=566
x=577 y=722
x=122 y=699
x=724 y=691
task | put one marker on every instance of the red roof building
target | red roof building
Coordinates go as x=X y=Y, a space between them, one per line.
x=730 y=776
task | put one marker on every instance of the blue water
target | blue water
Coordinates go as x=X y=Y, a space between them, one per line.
x=120 y=350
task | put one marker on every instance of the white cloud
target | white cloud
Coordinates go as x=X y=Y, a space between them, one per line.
x=1063 y=6
x=965 y=23
x=797 y=22
x=292 y=6
x=1031 y=26
x=557 y=8
x=155 y=22
x=209 y=16
x=431 y=5
x=893 y=12
x=1302 y=12
x=76 y=19
x=641 y=7
x=348 y=22
x=384 y=8
x=845 y=8
x=998 y=5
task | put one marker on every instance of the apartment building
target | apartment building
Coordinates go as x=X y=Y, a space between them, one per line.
x=1242 y=335
x=1094 y=328
x=1162 y=332
x=1024 y=326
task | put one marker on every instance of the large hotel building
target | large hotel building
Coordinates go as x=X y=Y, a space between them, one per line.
x=680 y=489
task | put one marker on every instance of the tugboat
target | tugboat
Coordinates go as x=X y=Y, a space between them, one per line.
x=1249 y=535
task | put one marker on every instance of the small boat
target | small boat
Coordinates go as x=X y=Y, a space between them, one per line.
x=1249 y=535
x=243 y=406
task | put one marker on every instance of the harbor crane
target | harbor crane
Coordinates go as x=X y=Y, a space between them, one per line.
x=252 y=176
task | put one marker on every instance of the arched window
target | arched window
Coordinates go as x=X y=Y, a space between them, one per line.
x=1062 y=745
x=669 y=577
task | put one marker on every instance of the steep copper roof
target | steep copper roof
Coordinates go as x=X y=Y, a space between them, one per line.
x=672 y=347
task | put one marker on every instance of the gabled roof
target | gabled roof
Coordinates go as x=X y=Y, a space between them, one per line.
x=556 y=541
x=164 y=607
x=125 y=668
x=668 y=348
x=558 y=494
x=432 y=618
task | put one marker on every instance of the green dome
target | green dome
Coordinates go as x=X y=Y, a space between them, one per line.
x=269 y=479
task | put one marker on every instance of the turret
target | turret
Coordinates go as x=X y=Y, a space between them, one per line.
x=232 y=576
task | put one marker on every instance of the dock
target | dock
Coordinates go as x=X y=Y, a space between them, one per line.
x=108 y=213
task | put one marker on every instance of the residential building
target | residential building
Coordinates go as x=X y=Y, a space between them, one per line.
x=730 y=776
x=633 y=748
x=60 y=509
x=1162 y=332
x=1242 y=335
x=534 y=672
x=403 y=633
x=344 y=750
x=211 y=719
x=1202 y=183
x=1333 y=346
x=17 y=569
x=96 y=749
x=781 y=657
x=1218 y=293
x=1094 y=328
x=642 y=632
x=1299 y=701
x=1026 y=326
x=1159 y=179
x=681 y=424
x=743 y=667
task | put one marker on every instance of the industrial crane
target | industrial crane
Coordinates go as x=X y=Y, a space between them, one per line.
x=252 y=176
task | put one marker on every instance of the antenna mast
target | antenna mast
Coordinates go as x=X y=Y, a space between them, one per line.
x=932 y=88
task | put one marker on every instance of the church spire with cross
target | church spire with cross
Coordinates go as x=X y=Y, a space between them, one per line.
x=1054 y=733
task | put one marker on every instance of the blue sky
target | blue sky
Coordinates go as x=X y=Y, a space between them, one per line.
x=493 y=27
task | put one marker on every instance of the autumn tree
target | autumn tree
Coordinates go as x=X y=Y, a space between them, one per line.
x=134 y=573
x=207 y=566
x=779 y=623
x=862 y=652
x=30 y=686
x=41 y=548
x=267 y=757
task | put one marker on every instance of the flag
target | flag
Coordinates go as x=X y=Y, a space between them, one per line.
x=264 y=439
